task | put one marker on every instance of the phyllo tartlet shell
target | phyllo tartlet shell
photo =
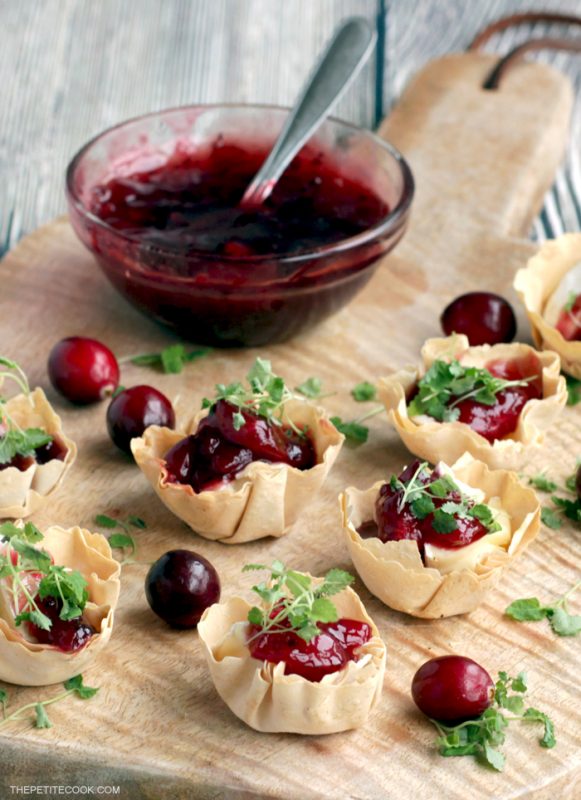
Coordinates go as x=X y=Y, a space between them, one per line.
x=447 y=441
x=535 y=284
x=394 y=571
x=24 y=492
x=27 y=663
x=262 y=696
x=262 y=500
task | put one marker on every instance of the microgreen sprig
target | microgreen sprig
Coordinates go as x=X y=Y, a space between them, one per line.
x=354 y=431
x=20 y=555
x=121 y=538
x=292 y=596
x=447 y=384
x=15 y=440
x=74 y=686
x=529 y=609
x=481 y=737
x=170 y=360
x=420 y=492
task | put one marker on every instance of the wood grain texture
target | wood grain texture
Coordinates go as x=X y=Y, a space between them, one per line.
x=158 y=725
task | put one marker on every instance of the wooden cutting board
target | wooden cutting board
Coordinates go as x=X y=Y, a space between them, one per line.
x=482 y=161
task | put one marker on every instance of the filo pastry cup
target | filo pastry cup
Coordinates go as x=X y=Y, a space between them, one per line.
x=447 y=441
x=394 y=571
x=544 y=275
x=262 y=696
x=24 y=492
x=262 y=500
x=27 y=663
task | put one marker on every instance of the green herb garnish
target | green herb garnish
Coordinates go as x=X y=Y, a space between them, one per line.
x=122 y=538
x=74 y=686
x=571 y=299
x=171 y=360
x=550 y=518
x=447 y=384
x=292 y=596
x=14 y=440
x=483 y=736
x=573 y=390
x=364 y=392
x=354 y=431
x=421 y=492
x=20 y=555
x=310 y=388
x=529 y=609
x=542 y=483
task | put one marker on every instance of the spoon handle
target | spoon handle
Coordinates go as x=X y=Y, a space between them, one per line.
x=337 y=67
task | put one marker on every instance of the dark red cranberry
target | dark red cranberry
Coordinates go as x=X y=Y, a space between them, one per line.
x=83 y=370
x=135 y=409
x=180 y=586
x=67 y=635
x=452 y=689
x=484 y=317
x=326 y=653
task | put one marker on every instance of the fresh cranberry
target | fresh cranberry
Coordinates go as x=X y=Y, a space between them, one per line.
x=484 y=317
x=569 y=322
x=326 y=653
x=501 y=419
x=217 y=452
x=180 y=586
x=135 y=409
x=452 y=689
x=68 y=635
x=83 y=370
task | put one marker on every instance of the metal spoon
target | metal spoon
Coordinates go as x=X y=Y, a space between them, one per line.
x=345 y=55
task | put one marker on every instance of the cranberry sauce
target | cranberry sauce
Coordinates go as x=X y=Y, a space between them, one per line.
x=67 y=635
x=54 y=450
x=217 y=452
x=569 y=322
x=328 y=652
x=501 y=419
x=396 y=520
x=191 y=203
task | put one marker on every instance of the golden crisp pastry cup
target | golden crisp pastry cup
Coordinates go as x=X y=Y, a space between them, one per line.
x=535 y=284
x=263 y=500
x=394 y=571
x=28 y=663
x=262 y=696
x=24 y=492
x=448 y=441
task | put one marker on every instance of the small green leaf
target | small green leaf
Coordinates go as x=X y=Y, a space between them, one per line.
x=355 y=433
x=422 y=506
x=103 y=521
x=121 y=541
x=443 y=522
x=527 y=609
x=519 y=684
x=172 y=359
x=36 y=617
x=31 y=533
x=137 y=522
x=310 y=388
x=76 y=685
x=334 y=582
x=542 y=483
x=550 y=518
x=8 y=530
x=255 y=616
x=42 y=720
x=493 y=757
x=573 y=390
x=238 y=420
x=364 y=392
x=563 y=623
x=533 y=715
x=323 y=610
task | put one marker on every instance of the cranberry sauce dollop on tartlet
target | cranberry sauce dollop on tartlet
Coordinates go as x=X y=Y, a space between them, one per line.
x=440 y=513
x=494 y=402
x=43 y=599
x=306 y=659
x=299 y=625
x=489 y=399
x=247 y=464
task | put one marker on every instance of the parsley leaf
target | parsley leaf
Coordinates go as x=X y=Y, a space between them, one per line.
x=443 y=522
x=171 y=360
x=364 y=392
x=121 y=541
x=542 y=483
x=354 y=432
x=21 y=442
x=291 y=596
x=310 y=388
x=76 y=685
x=527 y=609
x=103 y=521
x=446 y=384
x=571 y=508
x=550 y=518
x=563 y=623
x=122 y=537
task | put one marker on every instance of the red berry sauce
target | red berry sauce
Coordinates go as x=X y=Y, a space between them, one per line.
x=501 y=419
x=191 y=203
x=394 y=524
x=52 y=451
x=328 y=652
x=67 y=635
x=217 y=452
x=569 y=322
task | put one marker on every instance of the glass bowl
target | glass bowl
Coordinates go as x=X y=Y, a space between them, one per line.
x=224 y=299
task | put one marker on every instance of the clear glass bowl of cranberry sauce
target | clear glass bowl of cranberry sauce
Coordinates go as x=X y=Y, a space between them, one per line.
x=156 y=200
